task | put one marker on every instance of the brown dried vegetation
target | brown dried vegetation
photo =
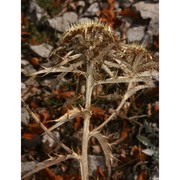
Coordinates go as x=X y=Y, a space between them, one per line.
x=91 y=55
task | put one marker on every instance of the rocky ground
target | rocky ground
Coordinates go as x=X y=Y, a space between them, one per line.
x=43 y=23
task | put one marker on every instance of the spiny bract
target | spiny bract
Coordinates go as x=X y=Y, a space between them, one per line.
x=96 y=42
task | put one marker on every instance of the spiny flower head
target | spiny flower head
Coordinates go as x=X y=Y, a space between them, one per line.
x=86 y=27
x=96 y=42
x=88 y=37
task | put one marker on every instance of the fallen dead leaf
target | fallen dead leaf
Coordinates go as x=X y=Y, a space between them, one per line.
x=125 y=131
x=64 y=94
x=142 y=176
x=98 y=113
x=35 y=61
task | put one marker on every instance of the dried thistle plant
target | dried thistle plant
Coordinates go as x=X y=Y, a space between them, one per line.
x=93 y=51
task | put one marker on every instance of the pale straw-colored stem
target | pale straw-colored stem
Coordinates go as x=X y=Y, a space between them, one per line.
x=87 y=116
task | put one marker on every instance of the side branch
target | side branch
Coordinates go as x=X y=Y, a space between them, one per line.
x=127 y=95
x=50 y=162
x=45 y=129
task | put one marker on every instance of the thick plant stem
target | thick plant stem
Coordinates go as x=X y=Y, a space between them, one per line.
x=87 y=116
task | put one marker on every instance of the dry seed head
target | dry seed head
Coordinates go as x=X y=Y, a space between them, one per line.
x=138 y=57
x=89 y=38
x=95 y=42
x=87 y=26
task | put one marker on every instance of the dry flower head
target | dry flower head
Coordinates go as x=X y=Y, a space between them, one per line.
x=96 y=42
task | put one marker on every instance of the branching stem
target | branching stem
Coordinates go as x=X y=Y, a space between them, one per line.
x=87 y=116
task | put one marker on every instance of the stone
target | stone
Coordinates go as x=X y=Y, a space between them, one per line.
x=23 y=86
x=27 y=69
x=56 y=23
x=149 y=10
x=80 y=6
x=148 y=40
x=92 y=10
x=81 y=3
x=24 y=62
x=94 y=162
x=70 y=17
x=36 y=12
x=24 y=116
x=154 y=26
x=61 y=23
x=27 y=166
x=43 y=50
x=126 y=3
x=135 y=34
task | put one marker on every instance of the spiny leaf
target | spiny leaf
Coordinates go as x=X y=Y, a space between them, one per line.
x=135 y=89
x=106 y=149
x=148 y=151
x=71 y=114
x=144 y=140
x=38 y=121
x=57 y=70
x=49 y=162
